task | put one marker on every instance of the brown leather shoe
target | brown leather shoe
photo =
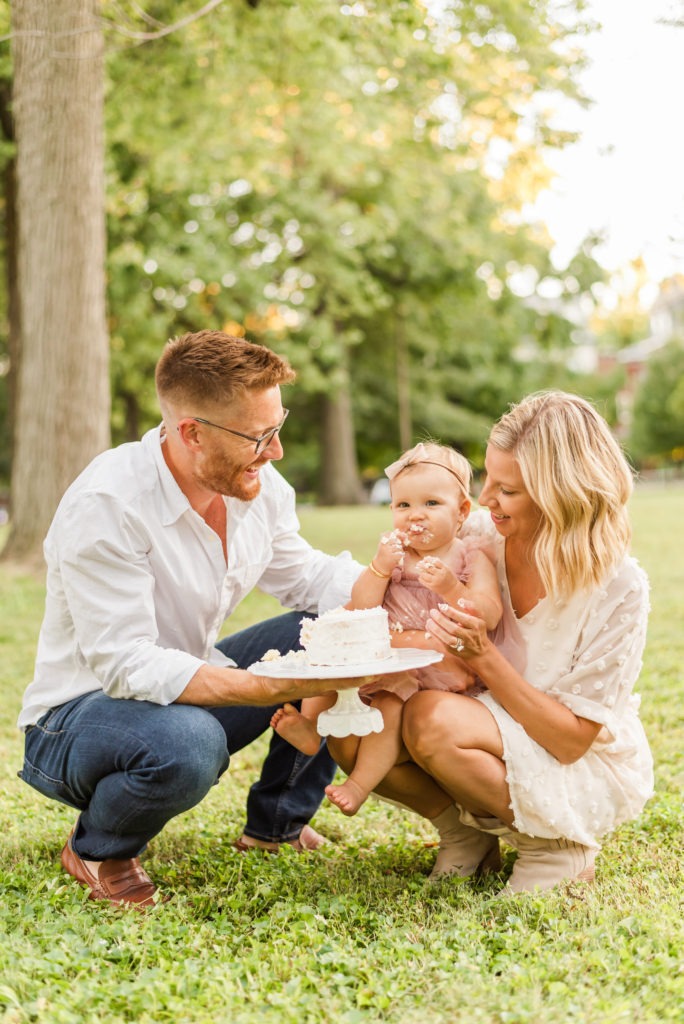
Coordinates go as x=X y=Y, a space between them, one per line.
x=117 y=881
x=307 y=840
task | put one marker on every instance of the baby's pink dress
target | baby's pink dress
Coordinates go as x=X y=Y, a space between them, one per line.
x=408 y=604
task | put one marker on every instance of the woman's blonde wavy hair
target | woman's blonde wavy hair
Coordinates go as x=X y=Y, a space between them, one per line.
x=576 y=472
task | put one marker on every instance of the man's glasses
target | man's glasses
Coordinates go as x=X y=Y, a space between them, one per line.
x=259 y=442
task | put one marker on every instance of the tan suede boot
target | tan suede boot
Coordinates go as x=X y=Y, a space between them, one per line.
x=493 y=825
x=463 y=851
x=545 y=863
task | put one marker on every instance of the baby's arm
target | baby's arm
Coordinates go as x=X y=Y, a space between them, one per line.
x=481 y=588
x=369 y=589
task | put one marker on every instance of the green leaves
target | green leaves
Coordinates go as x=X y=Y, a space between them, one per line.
x=331 y=181
x=657 y=433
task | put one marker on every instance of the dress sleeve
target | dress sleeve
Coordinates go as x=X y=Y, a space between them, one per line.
x=607 y=659
x=473 y=547
x=478 y=534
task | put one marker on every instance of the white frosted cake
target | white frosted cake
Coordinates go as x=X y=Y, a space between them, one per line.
x=343 y=637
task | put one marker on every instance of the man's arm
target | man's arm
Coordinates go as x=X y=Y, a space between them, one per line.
x=220 y=687
x=298 y=575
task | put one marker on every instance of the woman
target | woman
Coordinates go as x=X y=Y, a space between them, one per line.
x=553 y=755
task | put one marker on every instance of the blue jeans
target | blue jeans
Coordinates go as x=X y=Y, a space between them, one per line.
x=130 y=766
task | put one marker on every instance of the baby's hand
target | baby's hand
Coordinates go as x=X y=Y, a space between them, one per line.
x=390 y=551
x=434 y=574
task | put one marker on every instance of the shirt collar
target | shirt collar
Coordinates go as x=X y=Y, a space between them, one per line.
x=174 y=501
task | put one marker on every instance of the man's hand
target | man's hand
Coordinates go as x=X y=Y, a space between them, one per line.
x=278 y=691
x=235 y=687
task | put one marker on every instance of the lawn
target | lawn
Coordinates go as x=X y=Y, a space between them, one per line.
x=353 y=934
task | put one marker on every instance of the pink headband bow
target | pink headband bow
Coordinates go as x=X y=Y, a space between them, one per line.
x=416 y=457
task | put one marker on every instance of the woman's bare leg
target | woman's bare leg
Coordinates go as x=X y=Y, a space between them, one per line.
x=456 y=740
x=462 y=850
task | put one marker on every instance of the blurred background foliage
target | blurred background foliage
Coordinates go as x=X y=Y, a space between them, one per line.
x=345 y=182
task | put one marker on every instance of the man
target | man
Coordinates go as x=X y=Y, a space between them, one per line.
x=133 y=711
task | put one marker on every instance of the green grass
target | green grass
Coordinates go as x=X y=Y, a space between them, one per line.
x=353 y=934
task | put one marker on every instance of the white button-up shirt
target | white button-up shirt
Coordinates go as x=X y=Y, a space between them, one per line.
x=138 y=587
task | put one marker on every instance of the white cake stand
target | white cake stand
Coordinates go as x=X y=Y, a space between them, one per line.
x=349 y=716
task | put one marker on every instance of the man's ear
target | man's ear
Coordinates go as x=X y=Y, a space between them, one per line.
x=188 y=431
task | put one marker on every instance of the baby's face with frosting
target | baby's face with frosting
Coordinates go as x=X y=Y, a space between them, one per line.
x=428 y=506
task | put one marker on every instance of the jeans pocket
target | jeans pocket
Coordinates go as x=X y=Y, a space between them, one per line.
x=44 y=762
x=52 y=788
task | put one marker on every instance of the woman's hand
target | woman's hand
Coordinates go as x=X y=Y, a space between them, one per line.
x=556 y=728
x=460 y=628
x=420 y=640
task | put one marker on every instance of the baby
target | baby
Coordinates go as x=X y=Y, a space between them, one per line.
x=422 y=563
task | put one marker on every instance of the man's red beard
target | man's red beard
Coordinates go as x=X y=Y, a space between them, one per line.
x=222 y=476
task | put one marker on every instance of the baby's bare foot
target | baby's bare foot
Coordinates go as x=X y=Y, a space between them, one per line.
x=348 y=797
x=296 y=729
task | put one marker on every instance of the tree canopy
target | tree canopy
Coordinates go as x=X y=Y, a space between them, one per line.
x=657 y=433
x=347 y=183
x=343 y=182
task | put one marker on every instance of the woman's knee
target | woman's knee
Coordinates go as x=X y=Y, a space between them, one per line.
x=429 y=723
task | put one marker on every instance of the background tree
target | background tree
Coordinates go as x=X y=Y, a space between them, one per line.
x=62 y=404
x=657 y=434
x=9 y=297
x=627 y=320
x=334 y=201
x=344 y=182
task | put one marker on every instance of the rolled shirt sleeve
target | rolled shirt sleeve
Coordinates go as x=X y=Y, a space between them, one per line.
x=288 y=567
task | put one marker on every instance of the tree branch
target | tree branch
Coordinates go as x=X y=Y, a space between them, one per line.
x=146 y=37
x=141 y=37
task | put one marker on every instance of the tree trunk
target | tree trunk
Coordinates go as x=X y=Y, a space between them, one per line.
x=403 y=386
x=9 y=191
x=62 y=407
x=340 y=483
x=9 y=194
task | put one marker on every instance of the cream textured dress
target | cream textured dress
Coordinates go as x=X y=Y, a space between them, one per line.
x=586 y=653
